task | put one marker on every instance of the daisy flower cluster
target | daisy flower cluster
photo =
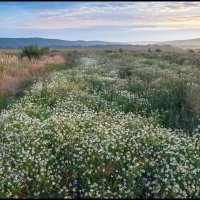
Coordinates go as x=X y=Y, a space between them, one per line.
x=69 y=137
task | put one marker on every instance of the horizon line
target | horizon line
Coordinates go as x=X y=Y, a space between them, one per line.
x=37 y=37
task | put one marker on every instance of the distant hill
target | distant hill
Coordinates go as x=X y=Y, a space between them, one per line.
x=144 y=42
x=41 y=42
x=14 y=43
x=192 y=43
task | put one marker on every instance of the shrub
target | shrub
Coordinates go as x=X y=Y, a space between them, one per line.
x=72 y=57
x=124 y=72
x=31 y=52
x=45 y=50
x=120 y=50
x=191 y=51
x=108 y=51
x=158 y=50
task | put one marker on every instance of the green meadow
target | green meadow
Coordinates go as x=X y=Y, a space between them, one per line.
x=103 y=125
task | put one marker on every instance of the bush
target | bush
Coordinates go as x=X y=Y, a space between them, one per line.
x=72 y=57
x=125 y=72
x=108 y=51
x=120 y=50
x=191 y=51
x=45 y=50
x=33 y=51
x=158 y=50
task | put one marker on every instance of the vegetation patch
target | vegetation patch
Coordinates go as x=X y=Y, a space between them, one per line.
x=85 y=132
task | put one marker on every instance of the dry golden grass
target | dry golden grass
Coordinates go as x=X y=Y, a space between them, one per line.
x=15 y=71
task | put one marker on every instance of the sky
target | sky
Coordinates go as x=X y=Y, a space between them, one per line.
x=123 y=21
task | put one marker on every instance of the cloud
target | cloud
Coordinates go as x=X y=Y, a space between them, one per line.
x=126 y=15
x=190 y=21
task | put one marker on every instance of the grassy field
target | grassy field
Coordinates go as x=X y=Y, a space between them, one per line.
x=15 y=72
x=107 y=125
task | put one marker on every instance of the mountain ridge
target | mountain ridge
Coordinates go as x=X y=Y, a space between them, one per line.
x=187 y=43
x=15 y=43
x=41 y=42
